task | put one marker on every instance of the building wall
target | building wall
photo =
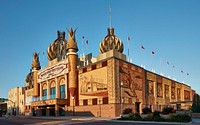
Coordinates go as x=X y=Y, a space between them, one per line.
x=13 y=103
x=105 y=88
x=21 y=101
x=166 y=92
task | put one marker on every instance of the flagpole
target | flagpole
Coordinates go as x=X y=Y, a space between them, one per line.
x=43 y=60
x=187 y=78
x=173 y=71
x=87 y=50
x=110 y=15
x=128 y=50
x=161 y=65
x=182 y=76
x=141 y=56
x=142 y=48
x=168 y=69
x=152 y=53
x=82 y=46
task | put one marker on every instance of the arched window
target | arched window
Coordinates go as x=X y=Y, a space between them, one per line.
x=53 y=90
x=44 y=91
x=62 y=89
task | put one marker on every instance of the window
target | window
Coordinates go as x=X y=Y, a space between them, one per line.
x=44 y=93
x=94 y=101
x=104 y=63
x=62 y=91
x=93 y=67
x=85 y=102
x=105 y=100
x=53 y=92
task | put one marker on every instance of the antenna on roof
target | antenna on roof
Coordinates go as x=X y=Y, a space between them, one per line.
x=110 y=15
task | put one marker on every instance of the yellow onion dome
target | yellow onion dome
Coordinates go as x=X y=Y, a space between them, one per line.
x=55 y=49
x=111 y=42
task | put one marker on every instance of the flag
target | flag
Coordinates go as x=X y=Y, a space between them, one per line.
x=142 y=47
x=129 y=38
x=87 y=42
x=83 y=37
x=152 y=52
x=167 y=63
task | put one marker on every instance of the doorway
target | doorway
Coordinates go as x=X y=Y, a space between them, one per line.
x=137 y=107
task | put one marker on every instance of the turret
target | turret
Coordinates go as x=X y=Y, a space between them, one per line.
x=72 y=61
x=35 y=67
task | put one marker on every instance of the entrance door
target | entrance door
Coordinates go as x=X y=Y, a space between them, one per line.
x=137 y=107
x=61 y=112
x=52 y=112
x=178 y=106
x=43 y=112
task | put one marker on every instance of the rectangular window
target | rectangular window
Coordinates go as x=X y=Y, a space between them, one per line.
x=85 y=102
x=62 y=91
x=105 y=100
x=93 y=67
x=104 y=63
x=53 y=92
x=94 y=101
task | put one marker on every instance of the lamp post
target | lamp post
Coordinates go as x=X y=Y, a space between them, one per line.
x=73 y=106
x=121 y=99
x=99 y=108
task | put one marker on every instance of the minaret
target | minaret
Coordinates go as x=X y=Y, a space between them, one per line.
x=72 y=63
x=35 y=67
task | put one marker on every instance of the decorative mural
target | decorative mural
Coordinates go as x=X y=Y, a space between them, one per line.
x=178 y=94
x=131 y=81
x=186 y=95
x=93 y=83
x=151 y=90
x=167 y=91
x=53 y=71
x=173 y=92
x=159 y=90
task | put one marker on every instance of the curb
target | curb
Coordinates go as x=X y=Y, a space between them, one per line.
x=153 y=122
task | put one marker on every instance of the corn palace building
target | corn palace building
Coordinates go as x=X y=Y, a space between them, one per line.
x=99 y=86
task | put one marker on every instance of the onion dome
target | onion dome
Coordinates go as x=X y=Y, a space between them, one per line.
x=57 y=49
x=71 y=44
x=36 y=62
x=111 y=42
x=28 y=78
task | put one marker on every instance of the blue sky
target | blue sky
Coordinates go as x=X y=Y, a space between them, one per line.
x=170 y=28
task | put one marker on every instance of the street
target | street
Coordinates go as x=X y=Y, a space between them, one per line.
x=43 y=121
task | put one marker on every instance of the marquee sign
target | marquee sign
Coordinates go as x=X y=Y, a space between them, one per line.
x=53 y=71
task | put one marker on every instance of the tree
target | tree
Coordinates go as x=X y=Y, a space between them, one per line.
x=196 y=104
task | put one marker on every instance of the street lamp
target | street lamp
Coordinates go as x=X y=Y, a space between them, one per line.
x=121 y=99
x=99 y=108
x=73 y=106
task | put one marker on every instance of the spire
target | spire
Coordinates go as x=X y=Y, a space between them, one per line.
x=71 y=44
x=110 y=10
x=36 y=62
